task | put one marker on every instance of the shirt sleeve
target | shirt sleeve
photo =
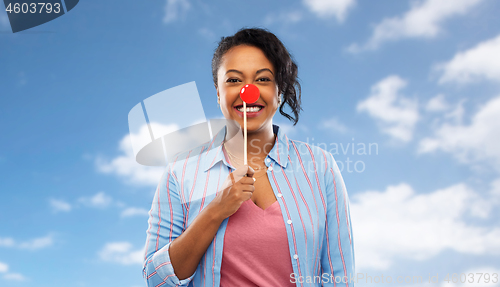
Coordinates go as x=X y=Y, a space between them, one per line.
x=337 y=253
x=165 y=225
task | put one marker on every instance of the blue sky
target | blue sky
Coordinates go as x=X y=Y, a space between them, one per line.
x=419 y=80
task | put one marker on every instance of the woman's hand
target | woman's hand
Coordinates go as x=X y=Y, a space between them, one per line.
x=229 y=199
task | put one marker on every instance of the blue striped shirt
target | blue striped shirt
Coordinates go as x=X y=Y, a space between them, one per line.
x=312 y=197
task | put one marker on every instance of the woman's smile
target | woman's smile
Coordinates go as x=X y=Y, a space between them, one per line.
x=253 y=110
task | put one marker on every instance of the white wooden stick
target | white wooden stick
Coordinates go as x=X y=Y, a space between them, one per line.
x=244 y=133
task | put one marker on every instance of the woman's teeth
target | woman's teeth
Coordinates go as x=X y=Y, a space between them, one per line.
x=250 y=109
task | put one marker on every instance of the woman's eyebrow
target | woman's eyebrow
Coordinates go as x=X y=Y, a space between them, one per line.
x=258 y=72
x=232 y=70
x=263 y=70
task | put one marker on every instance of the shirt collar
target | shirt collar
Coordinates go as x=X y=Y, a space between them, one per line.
x=279 y=152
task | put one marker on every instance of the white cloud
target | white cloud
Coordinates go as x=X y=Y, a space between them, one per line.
x=100 y=200
x=37 y=243
x=475 y=142
x=333 y=124
x=59 y=205
x=477 y=63
x=14 y=277
x=134 y=211
x=329 y=8
x=445 y=111
x=174 y=9
x=419 y=226
x=457 y=113
x=437 y=104
x=395 y=114
x=7 y=242
x=126 y=166
x=495 y=188
x=32 y=244
x=3 y=267
x=122 y=253
x=423 y=20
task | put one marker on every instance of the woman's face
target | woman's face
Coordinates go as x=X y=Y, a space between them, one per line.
x=243 y=65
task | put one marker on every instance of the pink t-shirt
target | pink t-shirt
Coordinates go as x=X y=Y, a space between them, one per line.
x=256 y=249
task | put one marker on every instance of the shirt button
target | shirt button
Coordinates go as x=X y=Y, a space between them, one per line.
x=268 y=159
x=295 y=256
x=289 y=221
x=280 y=195
x=270 y=168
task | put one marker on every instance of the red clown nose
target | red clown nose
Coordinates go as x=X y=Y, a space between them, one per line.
x=250 y=93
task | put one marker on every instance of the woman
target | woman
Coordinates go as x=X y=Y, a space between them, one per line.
x=217 y=222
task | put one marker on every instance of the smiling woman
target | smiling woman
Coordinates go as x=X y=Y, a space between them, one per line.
x=217 y=222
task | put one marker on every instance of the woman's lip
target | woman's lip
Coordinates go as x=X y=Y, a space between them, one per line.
x=248 y=105
x=249 y=115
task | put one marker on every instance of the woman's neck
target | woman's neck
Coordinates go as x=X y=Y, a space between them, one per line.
x=259 y=143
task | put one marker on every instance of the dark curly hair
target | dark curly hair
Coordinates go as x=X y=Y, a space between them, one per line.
x=284 y=65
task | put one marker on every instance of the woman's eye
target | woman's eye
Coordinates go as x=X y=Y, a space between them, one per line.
x=264 y=80
x=232 y=80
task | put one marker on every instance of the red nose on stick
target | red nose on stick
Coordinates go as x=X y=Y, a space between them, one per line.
x=250 y=93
